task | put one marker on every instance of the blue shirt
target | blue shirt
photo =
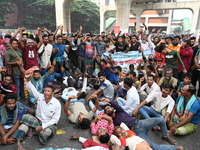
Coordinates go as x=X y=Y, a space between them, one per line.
x=195 y=109
x=60 y=53
x=81 y=50
x=21 y=111
x=182 y=84
x=121 y=116
x=100 y=47
x=110 y=76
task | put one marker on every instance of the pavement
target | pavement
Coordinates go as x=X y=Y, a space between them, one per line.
x=66 y=129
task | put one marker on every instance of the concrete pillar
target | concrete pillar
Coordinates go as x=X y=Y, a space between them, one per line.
x=169 y=21
x=63 y=16
x=102 y=20
x=122 y=13
x=198 y=21
x=138 y=14
x=194 y=19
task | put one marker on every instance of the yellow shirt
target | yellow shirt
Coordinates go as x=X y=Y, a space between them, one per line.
x=176 y=48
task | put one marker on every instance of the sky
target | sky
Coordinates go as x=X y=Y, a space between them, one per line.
x=182 y=13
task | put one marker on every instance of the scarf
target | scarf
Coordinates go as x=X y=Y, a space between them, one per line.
x=181 y=112
x=4 y=115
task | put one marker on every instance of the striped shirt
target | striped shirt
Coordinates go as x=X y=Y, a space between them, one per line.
x=89 y=50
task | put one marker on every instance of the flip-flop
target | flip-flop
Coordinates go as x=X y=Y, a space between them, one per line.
x=170 y=140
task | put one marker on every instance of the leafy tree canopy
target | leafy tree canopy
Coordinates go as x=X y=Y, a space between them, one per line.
x=85 y=13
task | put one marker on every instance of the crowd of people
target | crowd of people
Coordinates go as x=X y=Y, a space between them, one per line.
x=50 y=69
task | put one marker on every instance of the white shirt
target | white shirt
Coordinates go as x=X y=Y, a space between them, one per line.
x=47 y=113
x=151 y=89
x=161 y=102
x=45 y=58
x=132 y=99
x=66 y=94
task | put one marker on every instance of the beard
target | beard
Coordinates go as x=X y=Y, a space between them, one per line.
x=110 y=112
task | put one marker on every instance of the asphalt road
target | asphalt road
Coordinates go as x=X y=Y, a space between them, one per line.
x=189 y=142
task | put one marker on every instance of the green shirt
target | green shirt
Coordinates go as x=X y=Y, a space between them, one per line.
x=173 y=81
x=171 y=59
x=11 y=57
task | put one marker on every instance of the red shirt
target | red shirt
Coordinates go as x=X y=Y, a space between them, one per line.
x=30 y=56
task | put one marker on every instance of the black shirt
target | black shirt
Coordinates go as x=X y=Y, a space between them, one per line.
x=135 y=46
x=121 y=47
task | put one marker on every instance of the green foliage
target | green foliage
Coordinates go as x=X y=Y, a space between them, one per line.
x=177 y=30
x=5 y=8
x=32 y=13
x=85 y=13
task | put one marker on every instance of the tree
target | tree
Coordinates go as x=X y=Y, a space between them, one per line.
x=5 y=8
x=177 y=30
x=33 y=13
x=86 y=14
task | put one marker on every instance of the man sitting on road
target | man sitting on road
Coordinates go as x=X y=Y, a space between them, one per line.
x=185 y=115
x=10 y=116
x=106 y=87
x=162 y=100
x=147 y=88
x=48 y=113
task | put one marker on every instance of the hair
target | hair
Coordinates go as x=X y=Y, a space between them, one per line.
x=118 y=68
x=25 y=34
x=161 y=47
x=188 y=42
x=168 y=69
x=10 y=96
x=12 y=40
x=115 y=128
x=36 y=71
x=7 y=36
x=106 y=106
x=85 y=124
x=50 y=35
x=9 y=76
x=44 y=36
x=192 y=89
x=82 y=95
x=193 y=38
x=103 y=32
x=101 y=73
x=150 y=75
x=51 y=87
x=168 y=86
x=189 y=75
x=104 y=138
x=151 y=67
x=128 y=81
x=131 y=66
x=178 y=37
x=59 y=36
x=168 y=37
x=133 y=73
x=103 y=61
x=134 y=36
x=107 y=41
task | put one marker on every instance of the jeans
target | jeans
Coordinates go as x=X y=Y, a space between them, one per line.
x=148 y=112
x=81 y=63
x=143 y=126
x=121 y=102
x=19 y=84
x=91 y=104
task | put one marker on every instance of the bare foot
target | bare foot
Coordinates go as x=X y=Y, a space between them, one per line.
x=170 y=140
x=179 y=147
x=19 y=145
x=170 y=133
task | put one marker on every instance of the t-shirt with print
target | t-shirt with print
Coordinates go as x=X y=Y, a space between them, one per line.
x=198 y=57
x=11 y=56
x=30 y=56
x=195 y=109
x=121 y=47
x=171 y=58
x=108 y=90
